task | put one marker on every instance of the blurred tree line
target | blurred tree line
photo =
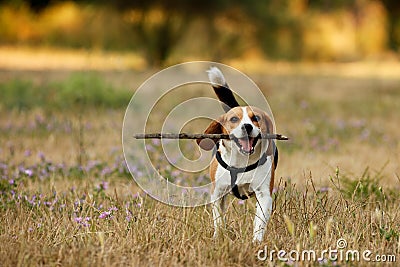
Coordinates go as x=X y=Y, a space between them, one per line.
x=180 y=29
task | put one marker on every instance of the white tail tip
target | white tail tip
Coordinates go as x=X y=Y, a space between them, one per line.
x=216 y=77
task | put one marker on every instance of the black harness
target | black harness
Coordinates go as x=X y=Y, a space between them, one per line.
x=234 y=171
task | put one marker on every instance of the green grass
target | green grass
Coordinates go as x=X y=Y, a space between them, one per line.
x=79 y=90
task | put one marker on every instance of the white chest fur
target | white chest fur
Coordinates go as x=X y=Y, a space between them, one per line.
x=249 y=181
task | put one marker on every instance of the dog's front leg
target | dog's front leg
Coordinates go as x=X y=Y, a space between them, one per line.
x=263 y=212
x=218 y=209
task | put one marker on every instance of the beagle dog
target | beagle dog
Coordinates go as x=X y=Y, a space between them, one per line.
x=243 y=165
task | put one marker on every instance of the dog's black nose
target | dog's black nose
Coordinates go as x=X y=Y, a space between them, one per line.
x=247 y=127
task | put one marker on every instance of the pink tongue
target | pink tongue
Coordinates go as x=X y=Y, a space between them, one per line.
x=246 y=144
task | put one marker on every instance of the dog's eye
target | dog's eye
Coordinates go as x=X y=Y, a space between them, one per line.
x=234 y=119
x=256 y=118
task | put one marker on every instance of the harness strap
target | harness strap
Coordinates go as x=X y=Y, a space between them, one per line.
x=235 y=171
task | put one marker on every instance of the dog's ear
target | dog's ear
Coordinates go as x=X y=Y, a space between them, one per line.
x=215 y=127
x=267 y=126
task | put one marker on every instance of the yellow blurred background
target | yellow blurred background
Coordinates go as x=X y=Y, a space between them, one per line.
x=142 y=34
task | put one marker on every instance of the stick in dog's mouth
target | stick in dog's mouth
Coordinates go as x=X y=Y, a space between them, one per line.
x=246 y=144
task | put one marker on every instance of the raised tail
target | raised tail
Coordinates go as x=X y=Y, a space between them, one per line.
x=222 y=89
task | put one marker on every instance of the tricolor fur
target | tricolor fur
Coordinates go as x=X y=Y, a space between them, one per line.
x=245 y=125
x=221 y=89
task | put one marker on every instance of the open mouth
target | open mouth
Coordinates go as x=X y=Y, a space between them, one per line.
x=246 y=144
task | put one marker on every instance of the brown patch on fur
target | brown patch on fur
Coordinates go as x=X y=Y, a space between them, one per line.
x=224 y=125
x=215 y=127
x=271 y=182
x=251 y=113
x=265 y=123
x=213 y=171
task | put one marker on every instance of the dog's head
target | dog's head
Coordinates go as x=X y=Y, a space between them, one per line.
x=244 y=125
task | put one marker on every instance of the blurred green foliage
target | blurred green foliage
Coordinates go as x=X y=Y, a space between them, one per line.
x=78 y=91
x=172 y=30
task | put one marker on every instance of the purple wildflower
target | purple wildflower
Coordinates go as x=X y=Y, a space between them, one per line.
x=32 y=200
x=175 y=173
x=203 y=190
x=3 y=166
x=91 y=164
x=49 y=126
x=43 y=174
x=113 y=209
x=52 y=168
x=149 y=148
x=358 y=123
x=128 y=216
x=364 y=134
x=241 y=202
x=39 y=119
x=303 y=104
x=82 y=222
x=104 y=214
x=102 y=186
x=67 y=128
x=156 y=142
x=28 y=172
x=108 y=214
x=114 y=150
x=27 y=153
x=200 y=179
x=324 y=189
x=41 y=156
x=32 y=125
x=106 y=171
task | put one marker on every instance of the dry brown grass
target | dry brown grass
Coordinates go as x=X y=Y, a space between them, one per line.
x=333 y=121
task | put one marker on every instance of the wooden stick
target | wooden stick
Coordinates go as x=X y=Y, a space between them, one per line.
x=199 y=136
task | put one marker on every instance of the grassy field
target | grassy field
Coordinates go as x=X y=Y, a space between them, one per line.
x=67 y=199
